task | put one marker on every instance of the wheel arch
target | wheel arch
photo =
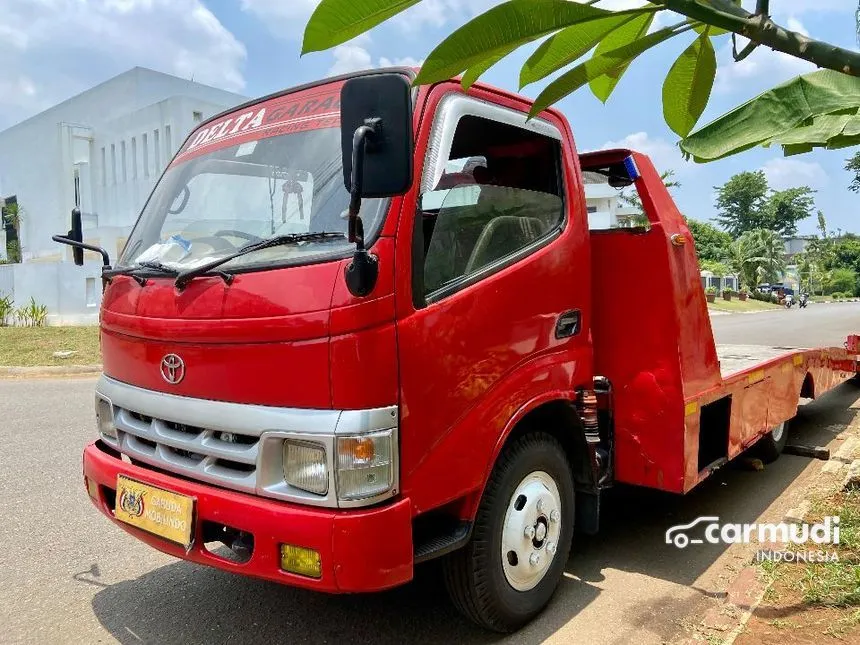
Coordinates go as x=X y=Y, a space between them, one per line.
x=556 y=415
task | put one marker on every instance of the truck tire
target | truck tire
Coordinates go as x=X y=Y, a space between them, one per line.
x=521 y=538
x=770 y=446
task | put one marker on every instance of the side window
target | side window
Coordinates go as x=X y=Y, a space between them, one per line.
x=500 y=192
x=612 y=200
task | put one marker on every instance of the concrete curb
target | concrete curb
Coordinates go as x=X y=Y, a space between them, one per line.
x=852 y=479
x=745 y=593
x=49 y=370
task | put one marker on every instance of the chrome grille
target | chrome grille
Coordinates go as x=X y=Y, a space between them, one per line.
x=225 y=458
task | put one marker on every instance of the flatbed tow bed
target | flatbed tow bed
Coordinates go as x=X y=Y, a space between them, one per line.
x=766 y=384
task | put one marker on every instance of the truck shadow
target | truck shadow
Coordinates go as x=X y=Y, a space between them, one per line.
x=187 y=603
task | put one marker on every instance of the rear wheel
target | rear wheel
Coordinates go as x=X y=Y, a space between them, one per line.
x=770 y=447
x=521 y=540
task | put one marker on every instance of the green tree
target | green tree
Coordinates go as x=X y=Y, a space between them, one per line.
x=740 y=258
x=844 y=253
x=842 y=280
x=757 y=256
x=853 y=165
x=741 y=202
x=785 y=208
x=719 y=269
x=616 y=38
x=712 y=244
x=769 y=254
x=633 y=200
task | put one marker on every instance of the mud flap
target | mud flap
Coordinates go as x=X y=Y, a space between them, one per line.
x=587 y=512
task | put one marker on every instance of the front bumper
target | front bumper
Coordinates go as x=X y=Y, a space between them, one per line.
x=360 y=550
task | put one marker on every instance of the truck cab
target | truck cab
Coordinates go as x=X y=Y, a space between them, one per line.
x=360 y=325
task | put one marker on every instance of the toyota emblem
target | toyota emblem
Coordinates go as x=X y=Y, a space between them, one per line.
x=172 y=369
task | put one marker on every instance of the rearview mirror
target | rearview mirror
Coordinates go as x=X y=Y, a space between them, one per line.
x=76 y=233
x=75 y=239
x=376 y=149
x=383 y=102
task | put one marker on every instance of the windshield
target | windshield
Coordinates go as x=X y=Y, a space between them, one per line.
x=272 y=169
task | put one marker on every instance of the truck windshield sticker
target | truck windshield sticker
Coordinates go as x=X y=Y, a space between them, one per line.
x=312 y=109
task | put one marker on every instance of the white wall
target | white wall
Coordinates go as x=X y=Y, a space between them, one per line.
x=72 y=294
x=40 y=156
x=106 y=137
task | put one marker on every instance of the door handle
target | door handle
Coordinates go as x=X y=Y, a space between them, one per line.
x=568 y=324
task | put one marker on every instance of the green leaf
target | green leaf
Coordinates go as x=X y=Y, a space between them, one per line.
x=596 y=66
x=688 y=84
x=566 y=46
x=501 y=30
x=602 y=86
x=335 y=21
x=786 y=114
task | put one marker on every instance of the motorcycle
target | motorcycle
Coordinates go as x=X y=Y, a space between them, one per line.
x=789 y=301
x=804 y=300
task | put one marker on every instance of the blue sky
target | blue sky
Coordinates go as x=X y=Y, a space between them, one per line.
x=56 y=48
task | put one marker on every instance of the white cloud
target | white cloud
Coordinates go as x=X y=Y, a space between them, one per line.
x=795 y=25
x=798 y=7
x=406 y=61
x=53 y=49
x=785 y=173
x=664 y=155
x=350 y=58
x=761 y=70
x=284 y=17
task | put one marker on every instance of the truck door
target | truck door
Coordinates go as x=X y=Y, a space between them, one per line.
x=496 y=313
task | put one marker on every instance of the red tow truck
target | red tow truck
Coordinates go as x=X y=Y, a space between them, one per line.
x=361 y=325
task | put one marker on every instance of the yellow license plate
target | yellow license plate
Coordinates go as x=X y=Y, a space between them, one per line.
x=155 y=510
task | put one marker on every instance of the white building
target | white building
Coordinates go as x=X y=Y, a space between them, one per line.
x=605 y=208
x=101 y=150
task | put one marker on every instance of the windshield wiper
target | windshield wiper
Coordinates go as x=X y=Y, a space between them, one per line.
x=183 y=278
x=135 y=270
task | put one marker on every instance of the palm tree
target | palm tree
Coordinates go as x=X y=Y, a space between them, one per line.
x=769 y=250
x=740 y=260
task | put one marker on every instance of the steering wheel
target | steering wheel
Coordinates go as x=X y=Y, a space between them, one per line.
x=217 y=243
x=240 y=234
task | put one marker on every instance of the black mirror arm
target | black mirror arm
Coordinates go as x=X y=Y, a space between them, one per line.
x=63 y=239
x=360 y=139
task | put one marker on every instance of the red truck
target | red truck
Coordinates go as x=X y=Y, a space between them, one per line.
x=361 y=325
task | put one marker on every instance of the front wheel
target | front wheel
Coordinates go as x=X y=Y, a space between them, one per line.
x=521 y=540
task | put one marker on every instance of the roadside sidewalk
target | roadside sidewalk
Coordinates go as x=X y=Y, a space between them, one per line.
x=49 y=371
x=739 y=604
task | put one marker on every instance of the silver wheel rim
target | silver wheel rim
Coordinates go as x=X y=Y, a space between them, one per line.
x=531 y=531
x=777 y=432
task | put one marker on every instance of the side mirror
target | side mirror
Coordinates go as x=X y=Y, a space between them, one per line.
x=76 y=233
x=376 y=149
x=75 y=239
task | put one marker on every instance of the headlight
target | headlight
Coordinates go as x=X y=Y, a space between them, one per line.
x=104 y=419
x=305 y=466
x=364 y=465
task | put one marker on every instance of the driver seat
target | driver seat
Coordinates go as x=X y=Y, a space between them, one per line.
x=503 y=235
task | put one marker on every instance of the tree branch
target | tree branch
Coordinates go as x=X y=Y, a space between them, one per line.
x=764 y=31
x=748 y=49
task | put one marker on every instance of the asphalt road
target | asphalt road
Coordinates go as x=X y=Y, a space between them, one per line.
x=818 y=324
x=67 y=575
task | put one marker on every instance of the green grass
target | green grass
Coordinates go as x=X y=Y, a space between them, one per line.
x=734 y=305
x=827 y=584
x=34 y=346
